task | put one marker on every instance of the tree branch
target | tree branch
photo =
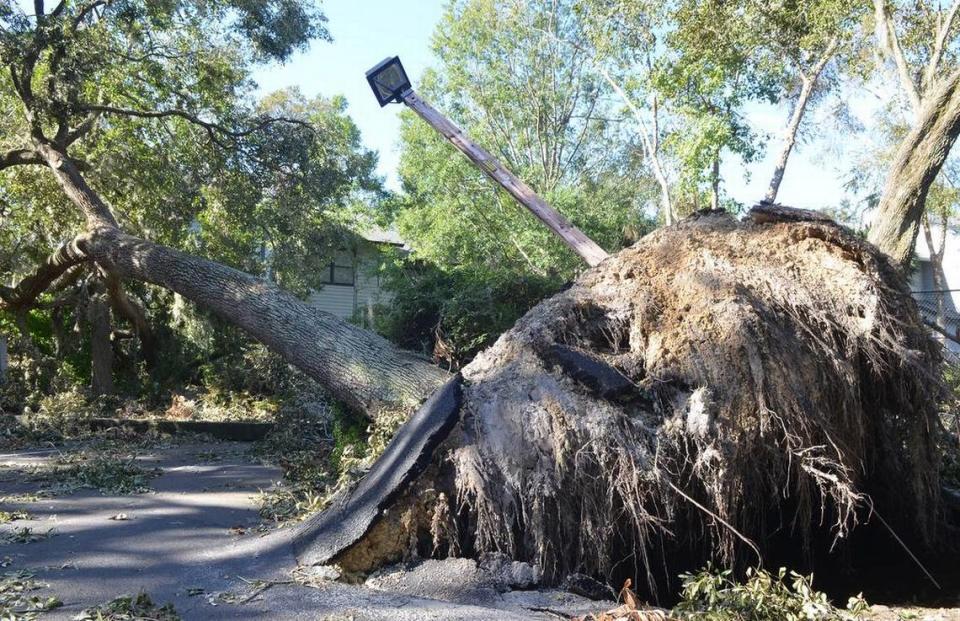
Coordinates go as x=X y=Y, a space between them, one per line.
x=86 y=10
x=890 y=43
x=25 y=293
x=212 y=128
x=81 y=130
x=943 y=31
x=19 y=157
x=57 y=10
x=132 y=312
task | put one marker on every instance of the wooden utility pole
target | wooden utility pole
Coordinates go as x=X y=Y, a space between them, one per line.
x=571 y=235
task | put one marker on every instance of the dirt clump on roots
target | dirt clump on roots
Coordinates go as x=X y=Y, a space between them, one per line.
x=716 y=385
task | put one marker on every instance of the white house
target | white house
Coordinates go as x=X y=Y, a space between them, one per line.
x=351 y=285
x=929 y=296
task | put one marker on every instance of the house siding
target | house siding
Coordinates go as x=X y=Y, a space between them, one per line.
x=335 y=299
x=360 y=299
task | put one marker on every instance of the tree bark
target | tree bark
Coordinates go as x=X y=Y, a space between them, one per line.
x=715 y=183
x=127 y=308
x=358 y=367
x=25 y=293
x=789 y=140
x=101 y=348
x=939 y=278
x=4 y=360
x=650 y=139
x=917 y=162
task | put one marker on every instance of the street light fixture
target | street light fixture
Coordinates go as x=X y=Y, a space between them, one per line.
x=389 y=81
x=390 y=85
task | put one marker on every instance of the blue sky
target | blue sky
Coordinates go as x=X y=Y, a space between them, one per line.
x=366 y=31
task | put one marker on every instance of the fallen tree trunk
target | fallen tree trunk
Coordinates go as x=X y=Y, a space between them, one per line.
x=716 y=385
x=356 y=366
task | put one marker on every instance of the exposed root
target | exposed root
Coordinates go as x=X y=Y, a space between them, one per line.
x=778 y=381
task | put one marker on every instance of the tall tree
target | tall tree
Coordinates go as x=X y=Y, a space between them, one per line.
x=918 y=45
x=509 y=79
x=519 y=78
x=714 y=66
x=802 y=39
x=626 y=38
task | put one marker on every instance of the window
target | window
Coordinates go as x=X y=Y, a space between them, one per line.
x=341 y=270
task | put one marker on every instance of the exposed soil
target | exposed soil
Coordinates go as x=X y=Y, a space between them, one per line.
x=723 y=390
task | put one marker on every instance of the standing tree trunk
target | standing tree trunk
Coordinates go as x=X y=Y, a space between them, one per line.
x=101 y=348
x=650 y=138
x=799 y=109
x=917 y=162
x=939 y=278
x=4 y=360
x=715 y=183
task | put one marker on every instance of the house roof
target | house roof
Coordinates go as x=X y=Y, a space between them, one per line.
x=379 y=235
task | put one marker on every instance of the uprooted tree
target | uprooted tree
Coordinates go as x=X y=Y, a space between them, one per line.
x=714 y=384
x=717 y=390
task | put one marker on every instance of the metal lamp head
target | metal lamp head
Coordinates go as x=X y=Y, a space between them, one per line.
x=389 y=81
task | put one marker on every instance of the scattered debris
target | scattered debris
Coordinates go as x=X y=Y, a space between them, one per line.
x=137 y=607
x=109 y=472
x=13 y=516
x=25 y=535
x=16 y=602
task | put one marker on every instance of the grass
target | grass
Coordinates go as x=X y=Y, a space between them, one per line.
x=137 y=607
x=16 y=599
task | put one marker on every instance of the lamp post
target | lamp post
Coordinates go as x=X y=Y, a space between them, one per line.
x=390 y=85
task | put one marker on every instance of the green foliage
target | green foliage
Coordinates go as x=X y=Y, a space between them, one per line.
x=506 y=75
x=467 y=309
x=137 y=607
x=110 y=472
x=320 y=456
x=271 y=197
x=301 y=444
x=500 y=73
x=712 y=595
x=349 y=433
x=59 y=415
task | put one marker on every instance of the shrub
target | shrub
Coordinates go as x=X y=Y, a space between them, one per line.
x=711 y=595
